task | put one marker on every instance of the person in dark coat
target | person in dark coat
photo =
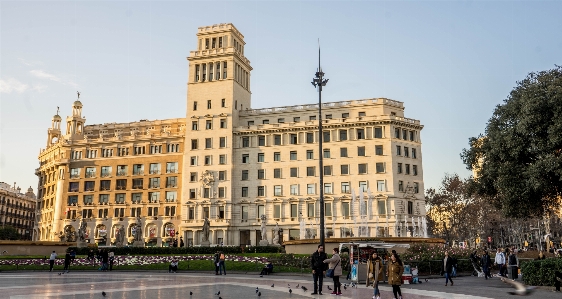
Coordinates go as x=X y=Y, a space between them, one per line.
x=474 y=259
x=216 y=261
x=67 y=259
x=557 y=280
x=486 y=264
x=318 y=268
x=448 y=268
x=513 y=263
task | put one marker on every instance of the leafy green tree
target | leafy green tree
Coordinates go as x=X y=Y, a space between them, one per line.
x=518 y=161
x=9 y=233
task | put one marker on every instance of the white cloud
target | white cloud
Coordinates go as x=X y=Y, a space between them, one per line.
x=44 y=75
x=11 y=84
x=39 y=87
x=29 y=63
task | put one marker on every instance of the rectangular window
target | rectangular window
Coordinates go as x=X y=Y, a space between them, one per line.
x=250 y=123
x=380 y=167
x=221 y=212
x=224 y=69
x=120 y=198
x=89 y=185
x=88 y=199
x=345 y=209
x=362 y=114
x=222 y=142
x=328 y=209
x=310 y=171
x=171 y=182
x=75 y=173
x=154 y=168
x=136 y=198
x=412 y=135
x=415 y=169
x=360 y=133
x=296 y=119
x=208 y=160
x=401 y=186
x=223 y=123
x=192 y=193
x=362 y=168
x=398 y=150
x=326 y=153
x=261 y=191
x=381 y=187
x=222 y=175
x=407 y=168
x=222 y=192
x=244 y=212
x=343 y=135
x=171 y=167
x=281 y=120
x=293 y=138
x=121 y=184
x=294 y=211
x=378 y=132
x=310 y=209
x=382 y=207
x=105 y=171
x=245 y=141
x=397 y=133
x=193 y=144
x=261 y=174
x=410 y=207
x=278 y=190
x=344 y=169
x=261 y=211
x=245 y=175
x=312 y=117
x=153 y=197
x=309 y=137
x=261 y=157
x=345 y=115
x=277 y=211
x=193 y=177
x=294 y=172
x=414 y=154
x=105 y=185
x=328 y=116
x=309 y=154
x=73 y=187
x=208 y=143
x=137 y=183
x=406 y=151
x=261 y=140
x=416 y=188
x=244 y=191
x=277 y=173
x=311 y=189
x=90 y=172
x=361 y=151
x=206 y=192
x=343 y=152
x=404 y=134
x=399 y=168
x=293 y=155
x=276 y=156
x=223 y=101
x=265 y=122
x=294 y=189
x=327 y=170
x=193 y=161
x=209 y=102
x=345 y=187
x=277 y=139
x=222 y=159
x=245 y=158
x=328 y=188
x=326 y=136
x=378 y=150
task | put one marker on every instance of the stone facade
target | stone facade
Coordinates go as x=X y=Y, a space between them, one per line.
x=17 y=209
x=237 y=164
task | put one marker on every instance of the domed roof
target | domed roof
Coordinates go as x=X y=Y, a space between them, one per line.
x=77 y=104
x=29 y=189
x=57 y=117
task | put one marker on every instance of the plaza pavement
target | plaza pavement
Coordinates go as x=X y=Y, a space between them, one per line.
x=158 y=284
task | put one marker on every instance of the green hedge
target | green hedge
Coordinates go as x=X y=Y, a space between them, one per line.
x=182 y=250
x=540 y=272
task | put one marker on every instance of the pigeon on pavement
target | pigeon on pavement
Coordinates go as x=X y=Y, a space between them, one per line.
x=329 y=288
x=190 y=293
x=218 y=293
x=290 y=291
x=257 y=290
x=520 y=288
x=304 y=288
x=273 y=285
x=103 y=294
x=259 y=294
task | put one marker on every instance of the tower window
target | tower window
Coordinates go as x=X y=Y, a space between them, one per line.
x=208 y=104
x=220 y=42
x=223 y=103
x=214 y=43
x=195 y=106
x=206 y=43
x=224 y=70
x=196 y=73
x=218 y=73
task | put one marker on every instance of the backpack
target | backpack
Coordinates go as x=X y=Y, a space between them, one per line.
x=222 y=257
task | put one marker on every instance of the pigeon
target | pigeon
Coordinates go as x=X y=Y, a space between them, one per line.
x=304 y=288
x=329 y=288
x=297 y=285
x=345 y=286
x=273 y=285
x=290 y=291
x=288 y=285
x=259 y=294
x=261 y=275
x=426 y=280
x=218 y=293
x=257 y=290
x=220 y=297
x=103 y=294
x=520 y=288
x=60 y=273
x=190 y=293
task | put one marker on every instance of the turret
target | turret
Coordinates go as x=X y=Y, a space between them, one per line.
x=75 y=123
x=54 y=132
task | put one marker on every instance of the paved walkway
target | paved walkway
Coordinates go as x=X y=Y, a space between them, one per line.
x=124 y=285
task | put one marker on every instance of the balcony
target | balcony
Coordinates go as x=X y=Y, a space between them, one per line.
x=171 y=186
x=136 y=202
x=106 y=174
x=120 y=202
x=72 y=203
x=170 y=200
x=121 y=187
x=90 y=174
x=89 y=189
x=137 y=186
x=89 y=203
x=121 y=173
x=171 y=170
x=138 y=172
x=154 y=186
x=155 y=171
x=105 y=189
x=75 y=176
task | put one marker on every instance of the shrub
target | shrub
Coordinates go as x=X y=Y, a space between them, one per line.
x=181 y=250
x=540 y=272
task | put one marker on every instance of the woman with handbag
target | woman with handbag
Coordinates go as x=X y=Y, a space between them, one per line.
x=375 y=267
x=335 y=270
x=395 y=271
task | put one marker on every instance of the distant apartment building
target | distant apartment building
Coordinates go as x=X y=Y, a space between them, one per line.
x=17 y=210
x=232 y=164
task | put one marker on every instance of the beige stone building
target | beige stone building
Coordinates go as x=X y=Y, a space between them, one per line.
x=237 y=163
x=17 y=209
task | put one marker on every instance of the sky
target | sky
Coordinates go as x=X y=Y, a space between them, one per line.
x=450 y=62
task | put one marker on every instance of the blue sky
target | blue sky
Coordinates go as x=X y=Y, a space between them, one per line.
x=450 y=62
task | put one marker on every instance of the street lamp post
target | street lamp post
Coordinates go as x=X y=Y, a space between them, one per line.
x=319 y=81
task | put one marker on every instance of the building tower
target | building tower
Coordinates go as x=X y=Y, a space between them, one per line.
x=218 y=88
x=53 y=134
x=75 y=122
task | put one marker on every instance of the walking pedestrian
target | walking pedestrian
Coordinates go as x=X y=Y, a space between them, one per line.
x=557 y=280
x=318 y=269
x=222 y=267
x=335 y=266
x=448 y=268
x=216 y=261
x=111 y=260
x=52 y=259
x=474 y=259
x=513 y=262
x=395 y=271
x=91 y=256
x=375 y=266
x=486 y=263
x=500 y=261
x=67 y=259
x=72 y=255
